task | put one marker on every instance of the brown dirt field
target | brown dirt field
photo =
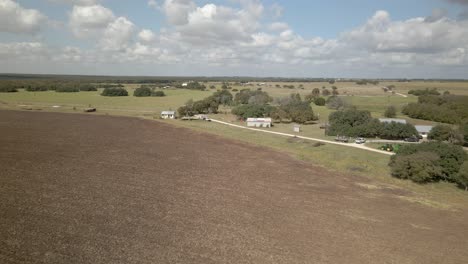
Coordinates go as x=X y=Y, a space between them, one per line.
x=100 y=189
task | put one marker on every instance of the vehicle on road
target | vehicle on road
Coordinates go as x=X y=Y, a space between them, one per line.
x=360 y=140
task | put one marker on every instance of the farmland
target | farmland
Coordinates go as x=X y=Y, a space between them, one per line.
x=75 y=191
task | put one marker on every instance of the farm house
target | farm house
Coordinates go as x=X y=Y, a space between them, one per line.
x=168 y=115
x=259 y=122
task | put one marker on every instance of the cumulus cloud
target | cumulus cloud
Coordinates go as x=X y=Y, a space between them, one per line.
x=177 y=11
x=16 y=19
x=117 y=35
x=146 y=36
x=87 y=20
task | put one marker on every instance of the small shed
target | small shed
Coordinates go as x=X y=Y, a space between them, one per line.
x=389 y=120
x=259 y=122
x=423 y=130
x=297 y=128
x=168 y=115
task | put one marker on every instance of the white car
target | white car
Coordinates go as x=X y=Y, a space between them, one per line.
x=360 y=140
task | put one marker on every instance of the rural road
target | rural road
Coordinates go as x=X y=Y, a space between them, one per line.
x=354 y=145
x=401 y=95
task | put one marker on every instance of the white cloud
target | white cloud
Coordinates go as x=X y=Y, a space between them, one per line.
x=278 y=26
x=88 y=20
x=146 y=36
x=177 y=11
x=154 y=4
x=117 y=35
x=76 y=2
x=23 y=50
x=16 y=19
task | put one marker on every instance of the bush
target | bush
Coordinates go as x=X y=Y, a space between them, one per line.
x=8 y=90
x=158 y=94
x=462 y=177
x=336 y=103
x=390 y=112
x=142 y=92
x=67 y=89
x=39 y=88
x=420 y=167
x=320 y=101
x=88 y=88
x=427 y=91
x=114 y=92
x=450 y=160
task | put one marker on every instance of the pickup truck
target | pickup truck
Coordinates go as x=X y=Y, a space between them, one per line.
x=360 y=140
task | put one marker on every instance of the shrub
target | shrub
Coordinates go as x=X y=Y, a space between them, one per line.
x=320 y=101
x=114 y=92
x=142 y=92
x=336 y=103
x=158 y=94
x=462 y=177
x=67 y=89
x=427 y=91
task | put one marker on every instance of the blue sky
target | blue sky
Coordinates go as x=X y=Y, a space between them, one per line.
x=387 y=38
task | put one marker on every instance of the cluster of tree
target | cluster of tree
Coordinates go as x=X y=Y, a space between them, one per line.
x=107 y=85
x=8 y=89
x=289 y=86
x=38 y=88
x=431 y=162
x=192 y=86
x=246 y=96
x=87 y=87
x=114 y=92
x=256 y=104
x=426 y=91
x=450 y=134
x=452 y=109
x=144 y=91
x=358 y=123
x=208 y=105
x=294 y=109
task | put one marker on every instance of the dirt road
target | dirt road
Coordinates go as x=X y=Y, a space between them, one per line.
x=100 y=189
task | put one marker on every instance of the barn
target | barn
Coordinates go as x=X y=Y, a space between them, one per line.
x=259 y=122
x=390 y=120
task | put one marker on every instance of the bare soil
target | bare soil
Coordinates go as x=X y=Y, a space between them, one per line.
x=78 y=188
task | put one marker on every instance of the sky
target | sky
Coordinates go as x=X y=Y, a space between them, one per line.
x=257 y=38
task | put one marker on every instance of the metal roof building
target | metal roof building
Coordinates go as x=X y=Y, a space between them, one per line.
x=389 y=120
x=259 y=122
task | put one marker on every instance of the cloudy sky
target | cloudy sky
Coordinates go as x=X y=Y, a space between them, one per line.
x=303 y=38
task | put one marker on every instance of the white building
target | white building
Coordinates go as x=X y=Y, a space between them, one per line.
x=259 y=122
x=297 y=128
x=168 y=115
x=184 y=84
x=389 y=120
x=423 y=130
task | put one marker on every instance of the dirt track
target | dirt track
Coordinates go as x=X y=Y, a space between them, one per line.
x=97 y=189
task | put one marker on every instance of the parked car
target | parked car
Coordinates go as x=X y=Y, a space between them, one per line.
x=412 y=139
x=360 y=140
x=344 y=139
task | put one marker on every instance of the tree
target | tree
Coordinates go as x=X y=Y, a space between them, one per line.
x=316 y=92
x=87 y=87
x=420 y=167
x=252 y=110
x=390 y=112
x=394 y=130
x=462 y=177
x=337 y=103
x=142 y=92
x=335 y=91
x=446 y=133
x=223 y=97
x=158 y=94
x=325 y=92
